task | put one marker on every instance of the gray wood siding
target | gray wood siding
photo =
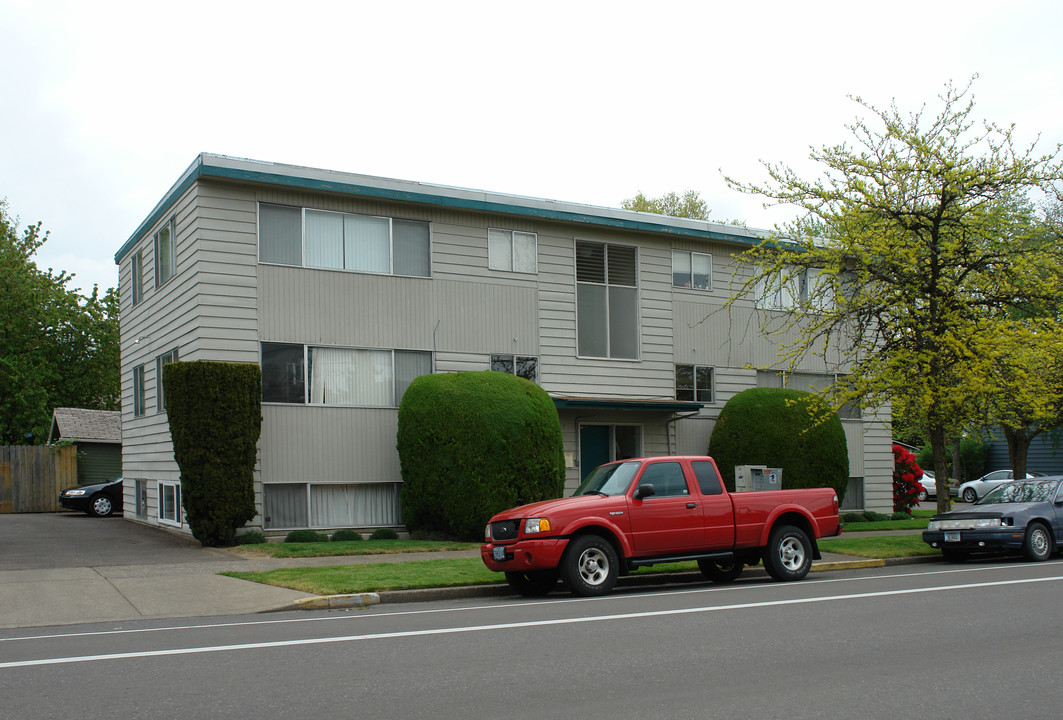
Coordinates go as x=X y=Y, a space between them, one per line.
x=307 y=443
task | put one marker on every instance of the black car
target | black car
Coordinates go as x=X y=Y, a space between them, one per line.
x=1022 y=516
x=101 y=500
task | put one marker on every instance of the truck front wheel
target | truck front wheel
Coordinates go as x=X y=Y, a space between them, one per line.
x=788 y=555
x=589 y=566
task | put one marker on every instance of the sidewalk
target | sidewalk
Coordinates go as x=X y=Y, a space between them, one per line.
x=59 y=596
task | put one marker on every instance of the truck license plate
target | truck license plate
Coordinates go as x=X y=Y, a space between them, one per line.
x=949 y=536
x=500 y=552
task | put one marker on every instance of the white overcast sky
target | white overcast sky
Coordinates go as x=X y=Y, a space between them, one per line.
x=105 y=103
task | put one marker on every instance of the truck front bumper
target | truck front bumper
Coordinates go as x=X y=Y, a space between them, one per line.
x=523 y=555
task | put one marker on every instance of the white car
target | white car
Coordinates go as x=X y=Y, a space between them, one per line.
x=929 y=488
x=974 y=489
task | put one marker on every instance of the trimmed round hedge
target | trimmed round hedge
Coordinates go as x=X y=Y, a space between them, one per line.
x=473 y=444
x=779 y=427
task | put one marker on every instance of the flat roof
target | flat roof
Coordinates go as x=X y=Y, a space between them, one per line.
x=222 y=167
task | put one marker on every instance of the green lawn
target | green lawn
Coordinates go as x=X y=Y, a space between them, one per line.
x=450 y=572
x=354 y=547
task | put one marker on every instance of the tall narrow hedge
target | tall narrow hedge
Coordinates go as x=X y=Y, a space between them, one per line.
x=779 y=427
x=215 y=415
x=473 y=444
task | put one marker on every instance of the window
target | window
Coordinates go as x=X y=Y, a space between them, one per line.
x=667 y=479
x=795 y=288
x=138 y=391
x=691 y=270
x=343 y=241
x=170 y=502
x=511 y=251
x=708 y=480
x=302 y=505
x=165 y=359
x=140 y=490
x=339 y=376
x=809 y=382
x=165 y=256
x=607 y=301
x=695 y=382
x=525 y=366
x=138 y=277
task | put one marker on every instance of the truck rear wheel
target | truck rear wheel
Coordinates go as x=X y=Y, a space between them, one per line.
x=535 y=583
x=788 y=555
x=721 y=571
x=589 y=566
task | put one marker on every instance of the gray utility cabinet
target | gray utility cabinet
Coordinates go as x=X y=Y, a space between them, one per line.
x=757 y=477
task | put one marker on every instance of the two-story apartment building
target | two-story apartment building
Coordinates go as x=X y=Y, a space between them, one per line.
x=345 y=287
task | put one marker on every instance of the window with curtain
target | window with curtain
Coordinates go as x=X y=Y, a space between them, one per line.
x=343 y=241
x=607 y=316
x=512 y=251
x=165 y=254
x=691 y=270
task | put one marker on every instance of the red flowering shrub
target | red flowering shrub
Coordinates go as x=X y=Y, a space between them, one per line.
x=906 y=474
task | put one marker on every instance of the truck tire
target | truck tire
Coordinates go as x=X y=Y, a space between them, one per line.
x=788 y=555
x=589 y=566
x=721 y=571
x=535 y=583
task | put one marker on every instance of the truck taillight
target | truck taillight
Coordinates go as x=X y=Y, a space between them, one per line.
x=835 y=503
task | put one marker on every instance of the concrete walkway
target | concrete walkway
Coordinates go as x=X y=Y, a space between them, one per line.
x=163 y=575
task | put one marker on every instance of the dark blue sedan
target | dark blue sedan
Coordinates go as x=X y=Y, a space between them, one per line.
x=100 y=500
x=1024 y=516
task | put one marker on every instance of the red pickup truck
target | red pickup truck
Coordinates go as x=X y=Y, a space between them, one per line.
x=653 y=510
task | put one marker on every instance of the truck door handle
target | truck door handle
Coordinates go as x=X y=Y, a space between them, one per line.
x=692 y=505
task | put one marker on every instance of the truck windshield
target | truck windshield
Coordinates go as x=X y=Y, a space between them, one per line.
x=609 y=479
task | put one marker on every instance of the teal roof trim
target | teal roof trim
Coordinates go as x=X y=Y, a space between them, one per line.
x=507 y=205
x=674 y=406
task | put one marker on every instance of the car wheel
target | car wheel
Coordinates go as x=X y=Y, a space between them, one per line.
x=1037 y=545
x=969 y=495
x=100 y=505
x=532 y=584
x=922 y=495
x=789 y=553
x=721 y=571
x=955 y=556
x=589 y=566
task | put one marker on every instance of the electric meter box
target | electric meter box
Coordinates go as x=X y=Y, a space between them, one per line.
x=757 y=477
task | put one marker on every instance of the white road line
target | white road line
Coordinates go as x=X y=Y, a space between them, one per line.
x=617 y=597
x=510 y=626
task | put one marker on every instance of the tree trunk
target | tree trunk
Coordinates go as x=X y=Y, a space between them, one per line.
x=941 y=472
x=1018 y=449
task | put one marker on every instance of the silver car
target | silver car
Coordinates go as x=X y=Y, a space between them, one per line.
x=974 y=489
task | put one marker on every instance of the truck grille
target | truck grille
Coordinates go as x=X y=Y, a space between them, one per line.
x=504 y=529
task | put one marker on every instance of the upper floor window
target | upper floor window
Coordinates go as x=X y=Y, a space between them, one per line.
x=511 y=251
x=137 y=272
x=810 y=382
x=525 y=366
x=164 y=359
x=165 y=253
x=695 y=382
x=138 y=391
x=796 y=288
x=691 y=270
x=293 y=373
x=607 y=300
x=344 y=241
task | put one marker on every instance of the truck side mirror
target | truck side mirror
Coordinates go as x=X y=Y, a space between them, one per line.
x=644 y=491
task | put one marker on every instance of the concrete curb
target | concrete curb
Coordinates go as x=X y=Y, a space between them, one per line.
x=337 y=602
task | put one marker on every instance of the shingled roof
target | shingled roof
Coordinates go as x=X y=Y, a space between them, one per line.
x=102 y=426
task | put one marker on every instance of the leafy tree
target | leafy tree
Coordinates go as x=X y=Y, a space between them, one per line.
x=215 y=414
x=907 y=256
x=473 y=444
x=57 y=348
x=687 y=205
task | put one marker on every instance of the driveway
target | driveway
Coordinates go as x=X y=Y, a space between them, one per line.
x=39 y=541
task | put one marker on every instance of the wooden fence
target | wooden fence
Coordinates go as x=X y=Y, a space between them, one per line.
x=31 y=477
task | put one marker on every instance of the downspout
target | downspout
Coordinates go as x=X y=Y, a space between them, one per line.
x=668 y=434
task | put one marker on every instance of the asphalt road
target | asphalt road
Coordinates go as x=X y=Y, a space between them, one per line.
x=981 y=640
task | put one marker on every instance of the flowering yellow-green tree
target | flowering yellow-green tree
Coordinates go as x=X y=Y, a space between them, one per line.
x=909 y=259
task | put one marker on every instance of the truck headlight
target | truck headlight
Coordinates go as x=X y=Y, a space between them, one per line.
x=536 y=525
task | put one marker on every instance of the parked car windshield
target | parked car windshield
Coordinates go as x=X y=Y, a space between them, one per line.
x=1021 y=492
x=610 y=479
